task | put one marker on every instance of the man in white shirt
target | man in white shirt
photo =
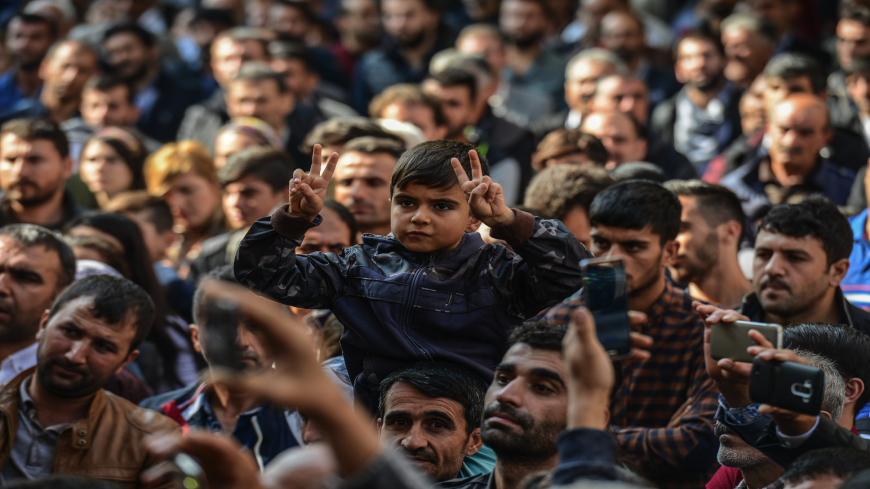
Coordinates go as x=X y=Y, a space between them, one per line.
x=35 y=267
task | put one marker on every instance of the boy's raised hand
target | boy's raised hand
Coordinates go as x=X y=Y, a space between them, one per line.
x=485 y=197
x=307 y=190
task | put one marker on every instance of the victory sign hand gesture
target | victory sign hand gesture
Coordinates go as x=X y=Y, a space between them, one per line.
x=307 y=190
x=485 y=197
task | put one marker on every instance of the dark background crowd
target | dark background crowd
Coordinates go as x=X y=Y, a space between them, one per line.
x=396 y=196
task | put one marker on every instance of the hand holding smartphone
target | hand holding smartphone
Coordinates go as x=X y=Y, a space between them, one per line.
x=787 y=385
x=730 y=340
x=604 y=291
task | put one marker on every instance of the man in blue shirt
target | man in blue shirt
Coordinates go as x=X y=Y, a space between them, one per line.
x=28 y=38
x=856 y=283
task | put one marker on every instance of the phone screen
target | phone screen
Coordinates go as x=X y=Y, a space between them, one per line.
x=220 y=333
x=604 y=288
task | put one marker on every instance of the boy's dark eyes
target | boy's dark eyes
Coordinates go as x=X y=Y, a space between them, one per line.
x=443 y=207
x=405 y=203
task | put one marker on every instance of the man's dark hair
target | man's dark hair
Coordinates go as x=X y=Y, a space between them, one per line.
x=30 y=129
x=300 y=6
x=636 y=204
x=558 y=190
x=147 y=39
x=453 y=77
x=340 y=130
x=428 y=164
x=29 y=235
x=815 y=216
x=27 y=18
x=346 y=217
x=221 y=274
x=440 y=379
x=838 y=462
x=539 y=334
x=156 y=210
x=223 y=18
x=857 y=12
x=793 y=65
x=115 y=300
x=255 y=71
x=716 y=204
x=702 y=35
x=369 y=145
x=293 y=50
x=104 y=83
x=638 y=170
x=272 y=166
x=408 y=95
x=847 y=347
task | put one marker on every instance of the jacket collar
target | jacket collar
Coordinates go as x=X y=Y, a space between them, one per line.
x=470 y=244
x=751 y=307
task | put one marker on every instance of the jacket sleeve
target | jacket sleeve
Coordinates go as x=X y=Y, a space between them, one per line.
x=585 y=454
x=687 y=442
x=828 y=434
x=266 y=263
x=547 y=269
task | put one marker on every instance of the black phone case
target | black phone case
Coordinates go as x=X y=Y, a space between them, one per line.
x=787 y=385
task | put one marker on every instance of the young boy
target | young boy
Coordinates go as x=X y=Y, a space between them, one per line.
x=432 y=289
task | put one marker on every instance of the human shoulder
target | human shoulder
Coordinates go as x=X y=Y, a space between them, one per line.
x=145 y=421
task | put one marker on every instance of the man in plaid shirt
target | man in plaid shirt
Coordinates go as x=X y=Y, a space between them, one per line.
x=662 y=411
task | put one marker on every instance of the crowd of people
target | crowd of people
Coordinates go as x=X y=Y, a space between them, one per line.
x=387 y=202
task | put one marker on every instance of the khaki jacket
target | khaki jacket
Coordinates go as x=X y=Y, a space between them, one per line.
x=107 y=444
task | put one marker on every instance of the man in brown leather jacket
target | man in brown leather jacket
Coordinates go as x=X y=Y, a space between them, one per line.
x=57 y=415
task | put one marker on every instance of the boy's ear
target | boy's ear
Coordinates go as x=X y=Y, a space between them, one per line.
x=473 y=224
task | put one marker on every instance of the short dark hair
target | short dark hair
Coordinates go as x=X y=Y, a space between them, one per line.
x=408 y=95
x=857 y=12
x=221 y=274
x=847 y=348
x=30 y=129
x=815 y=216
x=115 y=300
x=539 y=334
x=147 y=39
x=793 y=65
x=30 y=235
x=293 y=50
x=838 y=462
x=30 y=18
x=638 y=170
x=703 y=35
x=299 y=5
x=716 y=203
x=440 y=379
x=557 y=190
x=340 y=130
x=255 y=71
x=106 y=82
x=454 y=77
x=346 y=217
x=370 y=145
x=562 y=142
x=156 y=209
x=636 y=204
x=272 y=166
x=429 y=164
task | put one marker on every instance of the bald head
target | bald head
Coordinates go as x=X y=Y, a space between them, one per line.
x=799 y=129
x=619 y=134
x=623 y=94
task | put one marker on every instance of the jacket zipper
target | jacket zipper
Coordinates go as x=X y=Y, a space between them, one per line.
x=409 y=306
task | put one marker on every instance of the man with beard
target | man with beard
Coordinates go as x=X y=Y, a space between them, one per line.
x=35 y=267
x=362 y=181
x=703 y=118
x=711 y=231
x=34 y=164
x=163 y=91
x=430 y=412
x=28 y=38
x=64 y=72
x=798 y=129
x=264 y=428
x=526 y=407
x=662 y=410
x=57 y=417
x=529 y=65
x=414 y=34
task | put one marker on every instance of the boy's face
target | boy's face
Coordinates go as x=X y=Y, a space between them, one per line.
x=429 y=220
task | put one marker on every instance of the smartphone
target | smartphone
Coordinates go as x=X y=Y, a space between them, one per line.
x=605 y=296
x=220 y=331
x=730 y=340
x=787 y=385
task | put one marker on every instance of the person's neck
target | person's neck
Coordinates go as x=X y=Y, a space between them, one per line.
x=416 y=56
x=46 y=214
x=788 y=175
x=28 y=81
x=509 y=474
x=645 y=299
x=52 y=410
x=701 y=97
x=7 y=348
x=520 y=59
x=761 y=476
x=724 y=284
x=847 y=417
x=58 y=109
x=228 y=405
x=824 y=311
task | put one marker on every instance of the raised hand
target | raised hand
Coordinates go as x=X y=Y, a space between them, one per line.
x=307 y=190
x=485 y=197
x=590 y=373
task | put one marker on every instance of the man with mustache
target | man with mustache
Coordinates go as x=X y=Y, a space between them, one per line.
x=430 y=412
x=34 y=164
x=57 y=417
x=265 y=429
x=799 y=128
